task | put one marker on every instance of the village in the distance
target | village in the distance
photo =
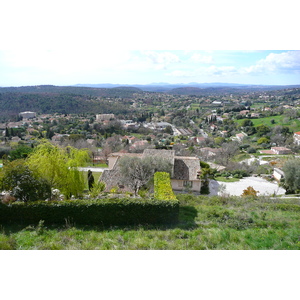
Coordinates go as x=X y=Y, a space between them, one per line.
x=239 y=132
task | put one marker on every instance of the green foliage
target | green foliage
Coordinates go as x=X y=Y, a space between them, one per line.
x=251 y=150
x=61 y=101
x=262 y=130
x=232 y=223
x=162 y=187
x=204 y=164
x=246 y=122
x=206 y=173
x=99 y=212
x=23 y=184
x=59 y=166
x=19 y=153
x=291 y=171
x=263 y=140
x=97 y=188
x=137 y=172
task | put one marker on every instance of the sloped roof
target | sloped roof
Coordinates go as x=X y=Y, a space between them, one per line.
x=186 y=168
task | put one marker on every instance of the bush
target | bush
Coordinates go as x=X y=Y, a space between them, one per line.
x=97 y=189
x=97 y=212
x=249 y=191
x=162 y=187
x=22 y=184
x=251 y=150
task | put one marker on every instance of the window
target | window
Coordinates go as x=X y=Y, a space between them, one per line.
x=188 y=184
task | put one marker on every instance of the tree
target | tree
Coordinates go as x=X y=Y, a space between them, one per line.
x=59 y=166
x=291 y=171
x=137 y=172
x=227 y=152
x=22 y=183
x=20 y=152
x=262 y=130
x=206 y=174
x=246 y=122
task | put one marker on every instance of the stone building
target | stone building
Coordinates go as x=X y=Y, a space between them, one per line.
x=184 y=174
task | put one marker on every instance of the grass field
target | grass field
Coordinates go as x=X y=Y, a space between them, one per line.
x=96 y=177
x=224 y=179
x=205 y=223
x=293 y=124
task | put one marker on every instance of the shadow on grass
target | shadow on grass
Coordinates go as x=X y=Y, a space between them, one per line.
x=187 y=215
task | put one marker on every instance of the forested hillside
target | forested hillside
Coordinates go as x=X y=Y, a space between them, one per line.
x=14 y=103
x=123 y=92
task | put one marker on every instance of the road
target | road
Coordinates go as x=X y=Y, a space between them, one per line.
x=93 y=169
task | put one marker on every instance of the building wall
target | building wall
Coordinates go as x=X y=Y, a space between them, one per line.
x=111 y=161
x=103 y=117
x=278 y=174
x=28 y=114
x=180 y=185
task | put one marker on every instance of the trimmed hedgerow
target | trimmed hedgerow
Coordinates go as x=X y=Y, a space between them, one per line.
x=96 y=212
x=162 y=187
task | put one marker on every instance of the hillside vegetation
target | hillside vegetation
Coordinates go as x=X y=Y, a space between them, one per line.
x=14 y=103
x=204 y=223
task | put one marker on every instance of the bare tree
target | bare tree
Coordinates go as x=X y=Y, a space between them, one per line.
x=227 y=152
x=137 y=172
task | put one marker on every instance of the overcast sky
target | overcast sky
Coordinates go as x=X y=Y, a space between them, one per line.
x=134 y=42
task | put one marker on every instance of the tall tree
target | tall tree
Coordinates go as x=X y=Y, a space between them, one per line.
x=59 y=166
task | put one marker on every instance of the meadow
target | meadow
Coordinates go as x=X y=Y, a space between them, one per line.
x=273 y=121
x=205 y=223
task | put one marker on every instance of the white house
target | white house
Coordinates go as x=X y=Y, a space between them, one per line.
x=278 y=174
x=27 y=114
x=297 y=138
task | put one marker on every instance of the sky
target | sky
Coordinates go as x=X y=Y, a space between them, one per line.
x=123 y=42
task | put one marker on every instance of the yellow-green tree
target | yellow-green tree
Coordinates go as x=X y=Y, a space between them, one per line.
x=59 y=166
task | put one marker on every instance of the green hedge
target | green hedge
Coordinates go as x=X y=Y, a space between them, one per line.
x=96 y=212
x=162 y=187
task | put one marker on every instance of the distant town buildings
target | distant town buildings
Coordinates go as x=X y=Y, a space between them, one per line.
x=28 y=115
x=297 y=138
x=104 y=117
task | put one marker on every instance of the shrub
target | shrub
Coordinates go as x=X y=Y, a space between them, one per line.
x=250 y=191
x=251 y=150
x=97 y=189
x=162 y=187
x=98 y=212
x=22 y=183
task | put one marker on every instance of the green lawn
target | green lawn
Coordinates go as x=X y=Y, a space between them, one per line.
x=205 y=223
x=224 y=179
x=96 y=177
x=293 y=124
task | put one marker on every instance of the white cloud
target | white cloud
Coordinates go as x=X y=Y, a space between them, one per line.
x=206 y=71
x=161 y=59
x=179 y=73
x=286 y=61
x=221 y=71
x=200 y=58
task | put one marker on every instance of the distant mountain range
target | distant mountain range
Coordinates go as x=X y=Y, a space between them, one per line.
x=127 y=91
x=192 y=86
